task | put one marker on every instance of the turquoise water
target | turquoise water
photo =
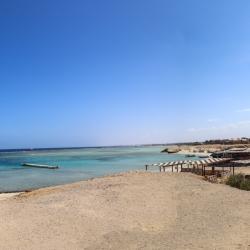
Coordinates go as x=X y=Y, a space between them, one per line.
x=75 y=165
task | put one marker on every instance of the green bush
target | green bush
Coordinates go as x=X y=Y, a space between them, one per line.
x=238 y=181
x=235 y=180
x=245 y=185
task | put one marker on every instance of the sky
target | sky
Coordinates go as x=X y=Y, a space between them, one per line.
x=95 y=73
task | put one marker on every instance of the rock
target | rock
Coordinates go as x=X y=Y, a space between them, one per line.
x=171 y=150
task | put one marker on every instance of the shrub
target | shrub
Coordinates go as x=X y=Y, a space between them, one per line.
x=235 y=180
x=239 y=181
x=245 y=185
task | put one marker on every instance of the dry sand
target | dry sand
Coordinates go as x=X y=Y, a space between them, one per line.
x=243 y=170
x=4 y=196
x=128 y=211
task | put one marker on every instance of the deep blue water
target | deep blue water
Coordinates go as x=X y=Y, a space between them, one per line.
x=75 y=165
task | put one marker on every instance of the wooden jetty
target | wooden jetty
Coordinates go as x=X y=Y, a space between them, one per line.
x=31 y=165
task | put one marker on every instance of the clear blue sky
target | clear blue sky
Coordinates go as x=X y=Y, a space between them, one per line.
x=94 y=72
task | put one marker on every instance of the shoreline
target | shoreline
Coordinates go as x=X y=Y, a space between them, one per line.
x=202 y=148
x=7 y=195
x=197 y=154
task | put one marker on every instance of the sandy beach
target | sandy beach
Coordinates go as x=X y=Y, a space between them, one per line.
x=5 y=196
x=134 y=210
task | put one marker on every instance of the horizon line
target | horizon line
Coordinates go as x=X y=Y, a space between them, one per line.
x=111 y=146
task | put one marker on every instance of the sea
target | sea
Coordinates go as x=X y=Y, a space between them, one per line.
x=75 y=164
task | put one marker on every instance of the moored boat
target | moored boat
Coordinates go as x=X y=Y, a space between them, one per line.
x=190 y=155
x=31 y=165
x=204 y=156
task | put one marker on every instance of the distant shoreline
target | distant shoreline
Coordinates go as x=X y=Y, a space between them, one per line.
x=67 y=148
x=222 y=142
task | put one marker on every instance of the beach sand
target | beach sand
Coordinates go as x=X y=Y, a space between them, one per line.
x=5 y=196
x=135 y=210
x=243 y=170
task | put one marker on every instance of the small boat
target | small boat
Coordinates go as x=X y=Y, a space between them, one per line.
x=31 y=165
x=190 y=155
x=203 y=156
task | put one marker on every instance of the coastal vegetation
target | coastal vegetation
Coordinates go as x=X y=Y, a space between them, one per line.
x=239 y=181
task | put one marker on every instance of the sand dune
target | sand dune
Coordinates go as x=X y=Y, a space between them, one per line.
x=128 y=211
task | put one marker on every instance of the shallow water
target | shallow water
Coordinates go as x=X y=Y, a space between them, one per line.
x=75 y=165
